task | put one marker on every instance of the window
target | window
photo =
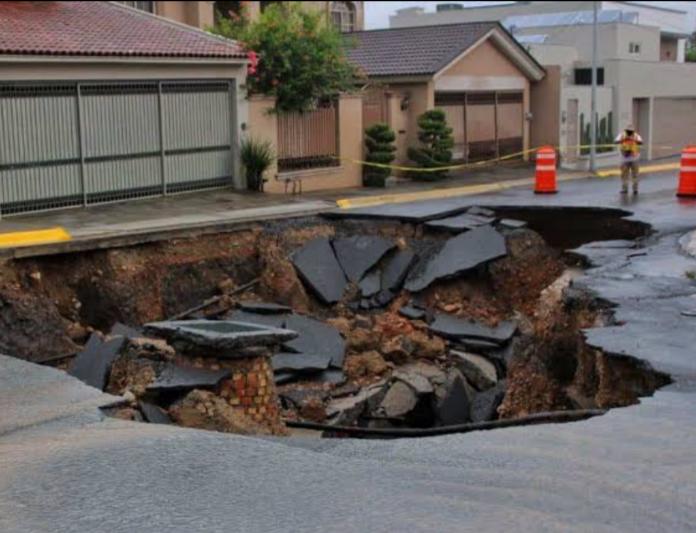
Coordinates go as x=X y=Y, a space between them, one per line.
x=343 y=16
x=142 y=6
x=583 y=76
x=634 y=48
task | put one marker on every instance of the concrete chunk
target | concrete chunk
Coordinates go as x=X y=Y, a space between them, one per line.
x=453 y=404
x=412 y=313
x=93 y=364
x=478 y=370
x=370 y=284
x=486 y=403
x=318 y=267
x=418 y=382
x=459 y=254
x=360 y=253
x=399 y=401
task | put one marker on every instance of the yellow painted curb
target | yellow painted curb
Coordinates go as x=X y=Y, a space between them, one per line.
x=649 y=168
x=33 y=238
x=347 y=203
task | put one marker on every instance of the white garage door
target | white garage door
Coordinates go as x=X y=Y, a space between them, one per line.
x=70 y=144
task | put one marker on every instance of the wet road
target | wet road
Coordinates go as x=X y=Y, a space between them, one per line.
x=65 y=468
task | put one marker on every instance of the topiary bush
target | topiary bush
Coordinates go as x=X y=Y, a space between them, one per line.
x=379 y=141
x=436 y=145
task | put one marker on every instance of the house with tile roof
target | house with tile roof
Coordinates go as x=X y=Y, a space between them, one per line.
x=102 y=102
x=476 y=72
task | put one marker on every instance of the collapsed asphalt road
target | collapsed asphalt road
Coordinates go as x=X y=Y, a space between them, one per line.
x=64 y=467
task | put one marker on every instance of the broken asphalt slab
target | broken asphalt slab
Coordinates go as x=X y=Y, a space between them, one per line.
x=175 y=378
x=315 y=337
x=396 y=268
x=154 y=414
x=317 y=266
x=359 y=253
x=459 y=223
x=220 y=338
x=285 y=362
x=451 y=327
x=459 y=254
x=263 y=308
x=93 y=364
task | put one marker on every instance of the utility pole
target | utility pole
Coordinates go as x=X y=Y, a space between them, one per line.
x=593 y=104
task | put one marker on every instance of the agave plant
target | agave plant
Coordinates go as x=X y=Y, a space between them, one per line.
x=257 y=156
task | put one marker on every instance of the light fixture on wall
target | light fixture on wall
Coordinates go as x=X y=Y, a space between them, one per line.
x=405 y=102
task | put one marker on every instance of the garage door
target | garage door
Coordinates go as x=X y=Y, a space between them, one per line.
x=70 y=144
x=484 y=125
x=674 y=125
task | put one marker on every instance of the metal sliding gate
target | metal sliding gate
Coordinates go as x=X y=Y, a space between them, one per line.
x=77 y=144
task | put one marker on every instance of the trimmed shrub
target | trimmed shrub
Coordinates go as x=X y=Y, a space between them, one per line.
x=379 y=141
x=436 y=145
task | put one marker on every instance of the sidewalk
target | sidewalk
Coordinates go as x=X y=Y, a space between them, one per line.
x=221 y=210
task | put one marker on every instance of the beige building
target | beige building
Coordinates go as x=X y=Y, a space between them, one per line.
x=104 y=103
x=642 y=76
x=477 y=73
x=346 y=16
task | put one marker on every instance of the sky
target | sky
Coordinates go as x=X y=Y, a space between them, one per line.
x=377 y=13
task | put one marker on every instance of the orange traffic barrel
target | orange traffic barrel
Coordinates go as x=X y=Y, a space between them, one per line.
x=687 y=172
x=545 y=171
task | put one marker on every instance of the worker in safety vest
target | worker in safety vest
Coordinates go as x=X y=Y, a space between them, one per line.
x=629 y=142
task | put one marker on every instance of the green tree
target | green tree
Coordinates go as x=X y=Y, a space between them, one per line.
x=379 y=141
x=691 y=48
x=301 y=56
x=436 y=145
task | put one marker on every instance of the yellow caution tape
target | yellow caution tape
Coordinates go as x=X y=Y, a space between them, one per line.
x=478 y=163
x=34 y=237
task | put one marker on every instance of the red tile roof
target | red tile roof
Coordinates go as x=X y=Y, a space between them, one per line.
x=102 y=29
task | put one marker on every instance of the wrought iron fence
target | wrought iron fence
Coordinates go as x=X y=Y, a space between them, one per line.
x=308 y=140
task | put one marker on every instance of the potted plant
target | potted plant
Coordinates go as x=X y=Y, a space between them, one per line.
x=257 y=156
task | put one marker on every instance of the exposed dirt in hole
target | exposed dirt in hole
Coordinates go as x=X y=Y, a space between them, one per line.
x=49 y=306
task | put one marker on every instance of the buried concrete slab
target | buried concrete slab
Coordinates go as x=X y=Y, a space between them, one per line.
x=175 y=378
x=451 y=327
x=359 y=253
x=459 y=254
x=93 y=364
x=481 y=211
x=263 y=308
x=154 y=414
x=221 y=338
x=300 y=362
x=318 y=267
x=315 y=337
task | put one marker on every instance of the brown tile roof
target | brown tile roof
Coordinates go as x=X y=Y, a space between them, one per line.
x=420 y=50
x=102 y=29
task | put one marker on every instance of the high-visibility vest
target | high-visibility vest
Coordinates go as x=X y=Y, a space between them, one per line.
x=629 y=144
